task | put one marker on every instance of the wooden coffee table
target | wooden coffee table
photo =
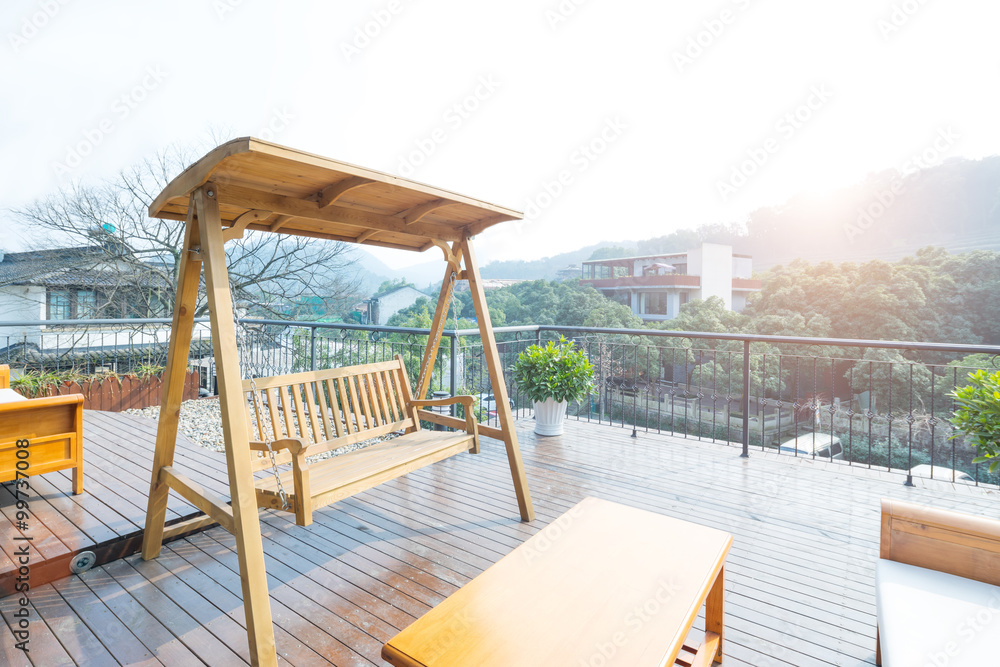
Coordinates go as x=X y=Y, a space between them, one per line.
x=604 y=584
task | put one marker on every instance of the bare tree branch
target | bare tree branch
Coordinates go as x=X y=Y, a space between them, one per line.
x=273 y=275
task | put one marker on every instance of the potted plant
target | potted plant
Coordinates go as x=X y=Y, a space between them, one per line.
x=552 y=375
x=978 y=415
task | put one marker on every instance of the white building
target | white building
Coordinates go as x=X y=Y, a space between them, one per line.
x=656 y=286
x=382 y=306
x=67 y=284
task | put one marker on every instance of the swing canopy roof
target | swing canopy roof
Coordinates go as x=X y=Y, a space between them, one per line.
x=267 y=187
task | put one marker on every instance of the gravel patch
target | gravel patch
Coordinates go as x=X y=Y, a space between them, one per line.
x=201 y=422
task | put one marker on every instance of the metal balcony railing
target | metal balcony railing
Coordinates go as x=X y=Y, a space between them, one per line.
x=875 y=404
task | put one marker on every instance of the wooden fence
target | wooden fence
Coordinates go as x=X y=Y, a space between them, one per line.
x=116 y=394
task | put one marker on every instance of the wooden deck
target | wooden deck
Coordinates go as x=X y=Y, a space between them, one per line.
x=109 y=516
x=799 y=577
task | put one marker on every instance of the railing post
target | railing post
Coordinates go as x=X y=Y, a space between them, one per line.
x=453 y=379
x=312 y=348
x=746 y=399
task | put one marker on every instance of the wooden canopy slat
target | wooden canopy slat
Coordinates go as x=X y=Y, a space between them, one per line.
x=318 y=197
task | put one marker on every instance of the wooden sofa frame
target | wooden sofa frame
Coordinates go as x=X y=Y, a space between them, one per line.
x=53 y=427
x=950 y=542
x=311 y=413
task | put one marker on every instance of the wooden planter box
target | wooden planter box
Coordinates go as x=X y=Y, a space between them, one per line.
x=112 y=395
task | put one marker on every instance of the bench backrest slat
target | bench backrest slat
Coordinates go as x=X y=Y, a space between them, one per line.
x=380 y=391
x=313 y=414
x=331 y=391
x=403 y=389
x=344 y=404
x=374 y=397
x=365 y=394
x=272 y=409
x=330 y=408
x=390 y=394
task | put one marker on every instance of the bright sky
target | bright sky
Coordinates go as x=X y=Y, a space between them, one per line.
x=602 y=120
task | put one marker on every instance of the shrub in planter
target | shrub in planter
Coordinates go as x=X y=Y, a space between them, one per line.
x=552 y=375
x=978 y=415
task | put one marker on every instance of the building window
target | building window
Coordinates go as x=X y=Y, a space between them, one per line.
x=60 y=305
x=654 y=303
x=86 y=304
x=684 y=298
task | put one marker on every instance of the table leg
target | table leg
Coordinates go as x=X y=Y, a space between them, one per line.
x=714 y=610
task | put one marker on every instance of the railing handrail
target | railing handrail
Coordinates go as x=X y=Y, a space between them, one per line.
x=85 y=322
x=130 y=339
x=533 y=328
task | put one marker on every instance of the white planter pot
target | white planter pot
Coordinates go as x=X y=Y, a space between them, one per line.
x=549 y=417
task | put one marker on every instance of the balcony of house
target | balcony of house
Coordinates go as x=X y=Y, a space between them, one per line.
x=687 y=425
x=746 y=285
x=626 y=282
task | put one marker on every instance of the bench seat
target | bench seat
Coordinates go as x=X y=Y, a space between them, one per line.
x=341 y=476
x=931 y=617
x=301 y=415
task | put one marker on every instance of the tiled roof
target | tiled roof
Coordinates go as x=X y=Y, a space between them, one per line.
x=393 y=290
x=67 y=267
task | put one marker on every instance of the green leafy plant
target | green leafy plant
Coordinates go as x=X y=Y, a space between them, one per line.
x=555 y=370
x=978 y=415
x=33 y=384
x=147 y=370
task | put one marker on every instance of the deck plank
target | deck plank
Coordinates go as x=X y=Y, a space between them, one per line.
x=175 y=617
x=111 y=512
x=799 y=576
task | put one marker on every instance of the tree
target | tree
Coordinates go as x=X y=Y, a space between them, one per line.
x=270 y=273
x=389 y=285
x=708 y=315
x=611 y=252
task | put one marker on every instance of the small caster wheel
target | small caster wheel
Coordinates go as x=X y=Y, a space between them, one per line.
x=82 y=562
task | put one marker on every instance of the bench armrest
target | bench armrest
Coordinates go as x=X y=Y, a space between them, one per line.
x=467 y=401
x=293 y=445
x=471 y=425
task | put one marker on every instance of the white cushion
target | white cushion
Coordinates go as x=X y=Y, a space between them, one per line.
x=933 y=619
x=9 y=396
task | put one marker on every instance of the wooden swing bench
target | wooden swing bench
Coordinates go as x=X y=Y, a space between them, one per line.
x=311 y=413
x=248 y=185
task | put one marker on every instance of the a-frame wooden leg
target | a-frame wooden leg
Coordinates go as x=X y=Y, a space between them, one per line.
x=249 y=545
x=504 y=415
x=437 y=327
x=186 y=298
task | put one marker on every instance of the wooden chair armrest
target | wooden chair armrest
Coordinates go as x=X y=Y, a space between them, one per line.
x=471 y=425
x=293 y=445
x=42 y=401
x=467 y=401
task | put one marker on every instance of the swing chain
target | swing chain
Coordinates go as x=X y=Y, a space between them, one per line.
x=258 y=404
